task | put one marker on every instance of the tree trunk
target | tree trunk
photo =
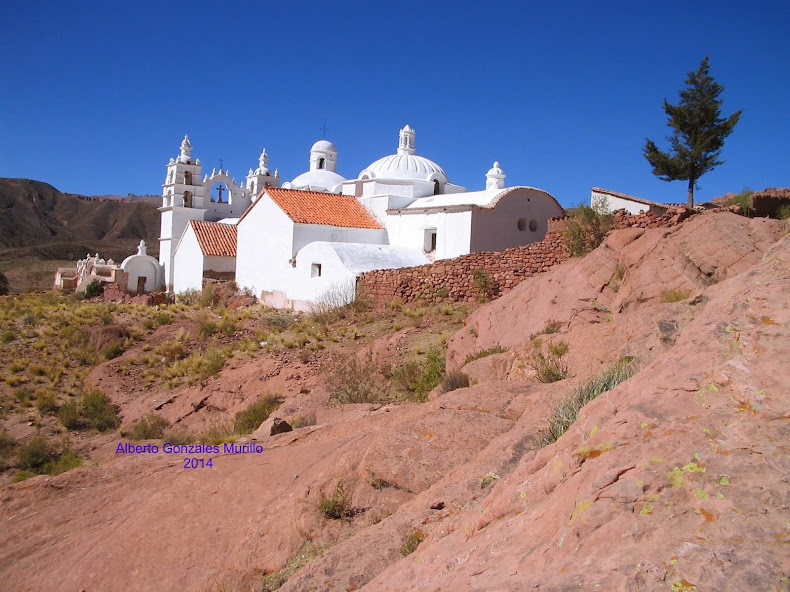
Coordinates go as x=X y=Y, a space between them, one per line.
x=691 y=193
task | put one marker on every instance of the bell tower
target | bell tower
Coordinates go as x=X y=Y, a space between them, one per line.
x=183 y=195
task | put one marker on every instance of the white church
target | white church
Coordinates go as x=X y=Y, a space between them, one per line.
x=291 y=242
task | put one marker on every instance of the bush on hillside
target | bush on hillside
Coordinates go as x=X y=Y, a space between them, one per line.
x=586 y=228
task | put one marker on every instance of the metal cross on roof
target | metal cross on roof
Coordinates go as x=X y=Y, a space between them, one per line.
x=324 y=129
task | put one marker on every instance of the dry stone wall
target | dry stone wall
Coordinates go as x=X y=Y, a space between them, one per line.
x=490 y=274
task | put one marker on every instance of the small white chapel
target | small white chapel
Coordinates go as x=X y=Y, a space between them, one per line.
x=292 y=242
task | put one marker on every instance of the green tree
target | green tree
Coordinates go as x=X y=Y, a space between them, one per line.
x=698 y=132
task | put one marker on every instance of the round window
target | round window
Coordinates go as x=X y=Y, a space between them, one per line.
x=533 y=225
x=522 y=223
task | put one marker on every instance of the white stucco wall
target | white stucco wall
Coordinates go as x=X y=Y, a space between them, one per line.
x=304 y=234
x=188 y=263
x=453 y=231
x=497 y=229
x=619 y=203
x=174 y=221
x=137 y=266
x=264 y=247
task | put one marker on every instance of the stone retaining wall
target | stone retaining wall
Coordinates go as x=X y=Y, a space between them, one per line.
x=490 y=274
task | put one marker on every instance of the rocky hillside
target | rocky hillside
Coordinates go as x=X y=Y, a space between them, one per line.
x=40 y=223
x=674 y=479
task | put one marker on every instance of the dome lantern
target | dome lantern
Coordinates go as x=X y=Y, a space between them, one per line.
x=495 y=177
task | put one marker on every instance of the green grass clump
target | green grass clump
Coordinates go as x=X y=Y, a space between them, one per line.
x=417 y=378
x=198 y=366
x=743 y=199
x=307 y=553
x=548 y=363
x=455 y=380
x=675 y=295
x=411 y=541
x=567 y=411
x=149 y=427
x=497 y=349
x=336 y=506
x=252 y=417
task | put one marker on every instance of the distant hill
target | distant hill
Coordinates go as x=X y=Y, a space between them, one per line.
x=42 y=228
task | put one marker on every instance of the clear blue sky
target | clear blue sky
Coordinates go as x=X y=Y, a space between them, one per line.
x=97 y=95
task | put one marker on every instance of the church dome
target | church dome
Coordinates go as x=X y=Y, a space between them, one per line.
x=323 y=146
x=405 y=165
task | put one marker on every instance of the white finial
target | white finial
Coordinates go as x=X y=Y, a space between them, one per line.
x=406 y=140
x=186 y=150
x=495 y=177
x=276 y=172
x=141 y=248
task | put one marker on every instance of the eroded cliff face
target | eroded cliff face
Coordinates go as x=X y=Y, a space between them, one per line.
x=676 y=478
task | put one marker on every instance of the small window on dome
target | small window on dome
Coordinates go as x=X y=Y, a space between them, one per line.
x=315 y=270
x=321 y=163
x=522 y=224
x=436 y=187
x=533 y=225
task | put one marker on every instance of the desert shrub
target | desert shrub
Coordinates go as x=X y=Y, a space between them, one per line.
x=218 y=432
x=250 y=419
x=36 y=453
x=149 y=427
x=488 y=479
x=586 y=228
x=7 y=444
x=99 y=411
x=67 y=460
x=113 y=350
x=418 y=379
x=411 y=541
x=171 y=350
x=69 y=415
x=548 y=363
x=497 y=349
x=206 y=328
x=743 y=199
x=552 y=326
x=308 y=552
x=178 y=437
x=350 y=380
x=331 y=303
x=24 y=395
x=94 y=410
x=336 y=506
x=4 y=289
x=675 y=295
x=455 y=380
x=483 y=283
x=228 y=325
x=567 y=411
x=7 y=336
x=783 y=213
x=93 y=289
x=164 y=318
x=304 y=421
x=47 y=403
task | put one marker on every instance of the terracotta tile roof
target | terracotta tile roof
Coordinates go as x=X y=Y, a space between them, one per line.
x=218 y=240
x=331 y=209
